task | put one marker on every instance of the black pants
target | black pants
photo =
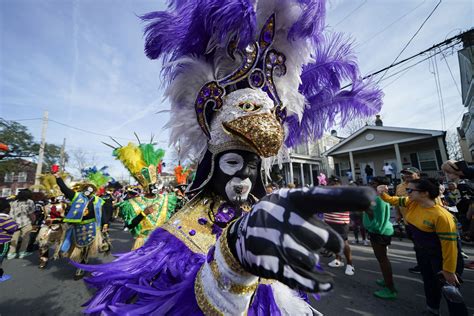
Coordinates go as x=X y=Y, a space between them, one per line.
x=430 y=264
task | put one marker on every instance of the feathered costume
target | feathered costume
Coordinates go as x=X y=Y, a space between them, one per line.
x=83 y=238
x=250 y=72
x=143 y=162
x=52 y=228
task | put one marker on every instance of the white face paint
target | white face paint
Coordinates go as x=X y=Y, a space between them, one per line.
x=238 y=189
x=231 y=163
x=88 y=191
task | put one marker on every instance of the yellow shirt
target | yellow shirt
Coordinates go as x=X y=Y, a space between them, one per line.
x=435 y=220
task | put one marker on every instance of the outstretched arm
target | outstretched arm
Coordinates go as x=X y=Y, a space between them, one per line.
x=68 y=193
x=278 y=239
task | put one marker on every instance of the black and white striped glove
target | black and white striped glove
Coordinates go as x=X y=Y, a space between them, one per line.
x=281 y=235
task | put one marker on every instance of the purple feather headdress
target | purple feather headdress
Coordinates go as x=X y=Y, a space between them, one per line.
x=193 y=38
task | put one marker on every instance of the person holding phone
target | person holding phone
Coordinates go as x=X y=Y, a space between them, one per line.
x=434 y=234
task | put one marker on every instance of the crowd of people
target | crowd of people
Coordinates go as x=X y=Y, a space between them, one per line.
x=60 y=225
x=245 y=83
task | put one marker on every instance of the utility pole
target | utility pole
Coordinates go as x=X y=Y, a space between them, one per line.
x=63 y=155
x=39 y=166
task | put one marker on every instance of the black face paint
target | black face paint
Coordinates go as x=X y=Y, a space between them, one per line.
x=153 y=188
x=235 y=174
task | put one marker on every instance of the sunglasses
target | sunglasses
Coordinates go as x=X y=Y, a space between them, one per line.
x=411 y=190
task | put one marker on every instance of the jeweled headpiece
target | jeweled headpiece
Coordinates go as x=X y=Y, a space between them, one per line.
x=255 y=74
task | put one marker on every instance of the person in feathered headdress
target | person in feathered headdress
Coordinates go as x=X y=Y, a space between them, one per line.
x=84 y=238
x=142 y=214
x=258 y=77
x=52 y=228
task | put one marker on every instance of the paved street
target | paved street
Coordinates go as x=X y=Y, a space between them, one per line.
x=53 y=292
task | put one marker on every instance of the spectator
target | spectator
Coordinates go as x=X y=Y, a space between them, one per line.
x=388 y=171
x=339 y=221
x=7 y=229
x=407 y=175
x=369 y=173
x=22 y=212
x=436 y=245
x=377 y=222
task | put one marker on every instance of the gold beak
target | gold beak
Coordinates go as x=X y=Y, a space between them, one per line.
x=263 y=132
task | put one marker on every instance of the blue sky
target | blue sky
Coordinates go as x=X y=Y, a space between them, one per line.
x=83 y=62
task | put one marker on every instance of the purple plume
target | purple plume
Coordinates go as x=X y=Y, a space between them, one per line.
x=312 y=22
x=188 y=26
x=321 y=84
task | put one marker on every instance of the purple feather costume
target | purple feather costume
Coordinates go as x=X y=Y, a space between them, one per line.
x=196 y=40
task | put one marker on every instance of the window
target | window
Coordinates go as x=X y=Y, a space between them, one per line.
x=427 y=161
x=344 y=167
x=22 y=176
x=9 y=176
x=302 y=149
x=6 y=192
x=19 y=189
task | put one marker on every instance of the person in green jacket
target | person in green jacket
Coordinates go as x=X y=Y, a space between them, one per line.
x=377 y=222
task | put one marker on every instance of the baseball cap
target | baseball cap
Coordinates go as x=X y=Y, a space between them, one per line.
x=410 y=170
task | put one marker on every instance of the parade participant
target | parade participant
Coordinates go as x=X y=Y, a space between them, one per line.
x=142 y=214
x=52 y=229
x=434 y=234
x=380 y=229
x=226 y=252
x=339 y=221
x=83 y=238
x=22 y=212
x=7 y=228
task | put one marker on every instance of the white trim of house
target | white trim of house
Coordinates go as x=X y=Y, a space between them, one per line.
x=428 y=134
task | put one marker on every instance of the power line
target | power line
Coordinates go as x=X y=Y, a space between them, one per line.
x=405 y=70
x=452 y=77
x=352 y=12
x=414 y=35
x=388 y=26
x=456 y=38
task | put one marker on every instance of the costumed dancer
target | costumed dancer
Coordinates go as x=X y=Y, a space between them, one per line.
x=142 y=214
x=250 y=73
x=83 y=238
x=181 y=174
x=52 y=229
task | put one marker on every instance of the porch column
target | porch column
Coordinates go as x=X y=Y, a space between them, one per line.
x=311 y=174
x=399 y=158
x=302 y=174
x=351 y=160
x=291 y=172
x=442 y=149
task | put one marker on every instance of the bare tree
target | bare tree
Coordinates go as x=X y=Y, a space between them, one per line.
x=452 y=145
x=354 y=125
x=80 y=159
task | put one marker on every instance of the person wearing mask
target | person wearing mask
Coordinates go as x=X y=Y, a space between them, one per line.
x=83 y=237
x=380 y=229
x=434 y=234
x=22 y=212
x=7 y=228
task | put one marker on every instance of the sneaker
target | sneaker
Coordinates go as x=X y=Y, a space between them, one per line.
x=5 y=277
x=24 y=254
x=380 y=282
x=43 y=263
x=336 y=263
x=11 y=256
x=415 y=269
x=464 y=255
x=386 y=294
x=355 y=242
x=366 y=243
x=349 y=270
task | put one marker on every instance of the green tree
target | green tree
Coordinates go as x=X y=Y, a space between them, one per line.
x=22 y=145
